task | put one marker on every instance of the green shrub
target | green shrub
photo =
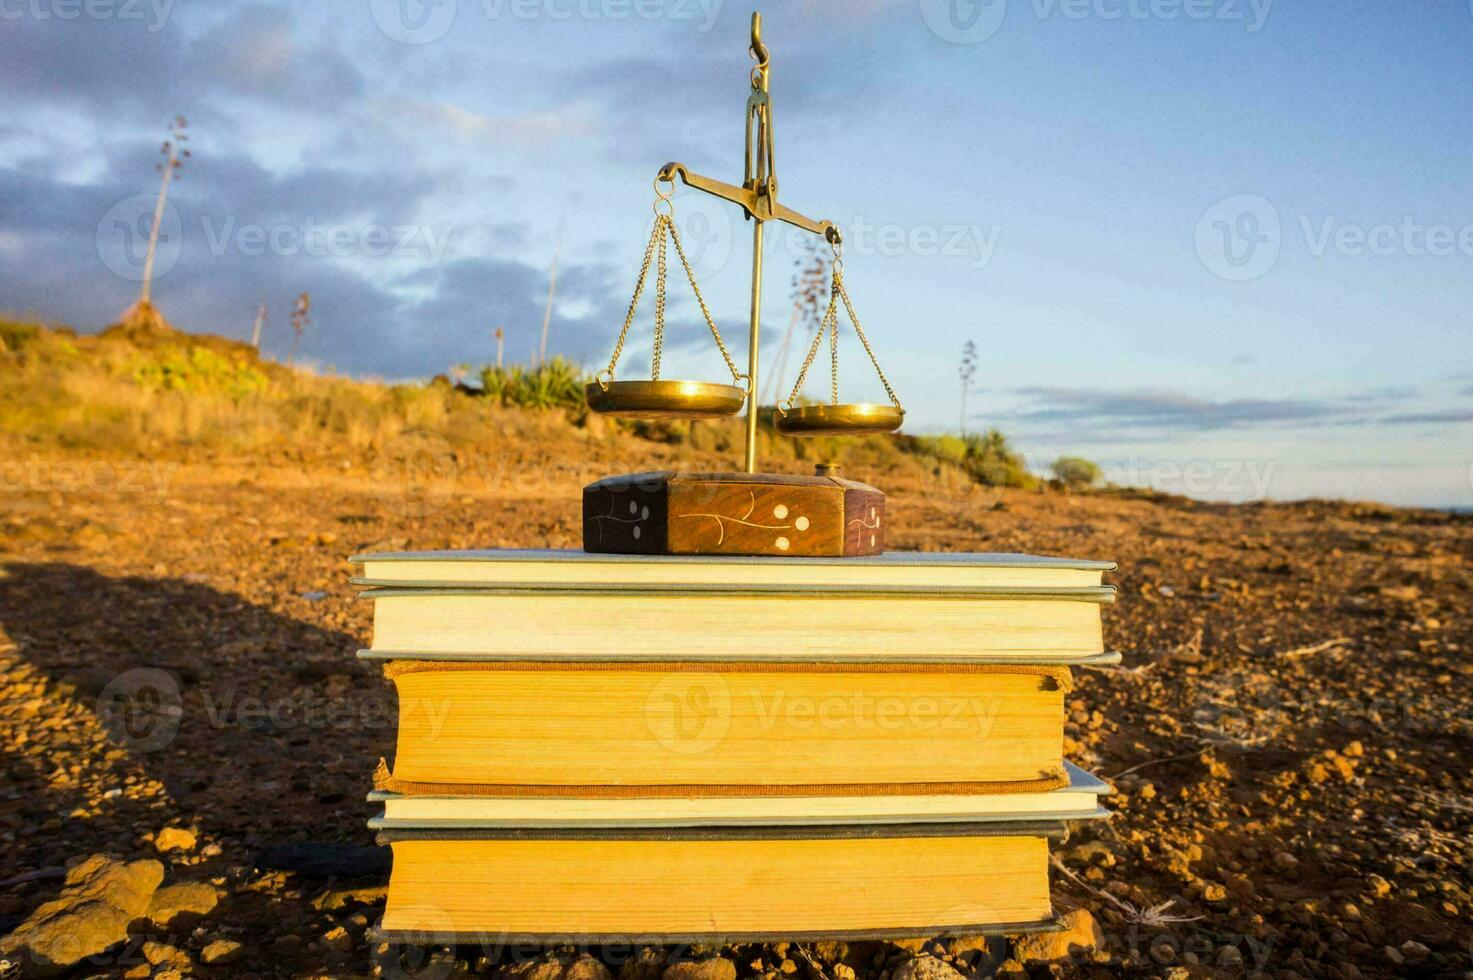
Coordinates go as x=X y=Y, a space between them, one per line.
x=557 y=383
x=987 y=459
x=198 y=370
x=1075 y=472
x=14 y=336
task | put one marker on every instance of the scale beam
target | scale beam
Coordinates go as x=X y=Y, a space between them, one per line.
x=761 y=206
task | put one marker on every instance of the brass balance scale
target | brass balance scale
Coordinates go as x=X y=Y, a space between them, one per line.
x=746 y=513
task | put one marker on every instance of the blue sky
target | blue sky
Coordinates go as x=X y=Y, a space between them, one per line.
x=1221 y=246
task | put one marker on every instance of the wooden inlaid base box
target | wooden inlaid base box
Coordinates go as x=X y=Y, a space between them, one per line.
x=775 y=514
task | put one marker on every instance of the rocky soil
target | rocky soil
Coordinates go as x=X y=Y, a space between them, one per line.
x=187 y=737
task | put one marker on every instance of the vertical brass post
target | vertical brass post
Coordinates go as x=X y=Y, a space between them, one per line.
x=752 y=346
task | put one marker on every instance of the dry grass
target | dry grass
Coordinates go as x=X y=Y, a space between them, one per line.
x=134 y=392
x=167 y=395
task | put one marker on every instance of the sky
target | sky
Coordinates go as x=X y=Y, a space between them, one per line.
x=1223 y=247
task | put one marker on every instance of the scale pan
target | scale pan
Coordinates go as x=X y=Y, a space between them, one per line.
x=665 y=399
x=839 y=420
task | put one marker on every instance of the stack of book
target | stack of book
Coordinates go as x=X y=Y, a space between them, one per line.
x=687 y=749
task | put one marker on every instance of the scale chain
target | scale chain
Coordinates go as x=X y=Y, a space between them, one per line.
x=644 y=269
x=844 y=295
x=830 y=325
x=657 y=250
x=659 y=306
x=833 y=356
x=701 y=301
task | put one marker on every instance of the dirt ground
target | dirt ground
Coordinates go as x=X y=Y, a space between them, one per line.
x=1290 y=732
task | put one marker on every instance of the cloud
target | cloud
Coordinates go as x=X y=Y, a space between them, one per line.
x=144 y=69
x=1165 y=409
x=375 y=312
x=1430 y=418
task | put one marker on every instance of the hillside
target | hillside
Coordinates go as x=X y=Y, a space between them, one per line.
x=1289 y=732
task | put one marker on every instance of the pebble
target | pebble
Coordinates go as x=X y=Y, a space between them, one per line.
x=175 y=839
x=221 y=951
x=717 y=968
x=98 y=900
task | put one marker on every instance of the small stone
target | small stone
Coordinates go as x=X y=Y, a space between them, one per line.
x=1230 y=958
x=1285 y=861
x=1392 y=954
x=1414 y=951
x=162 y=954
x=1379 y=887
x=175 y=839
x=334 y=899
x=924 y=968
x=98 y=899
x=180 y=898
x=1214 y=892
x=1080 y=934
x=221 y=951
x=338 y=938
x=648 y=964
x=717 y=968
x=787 y=967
